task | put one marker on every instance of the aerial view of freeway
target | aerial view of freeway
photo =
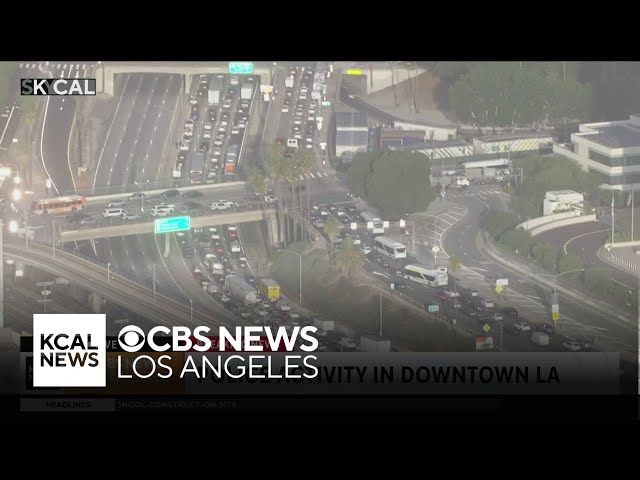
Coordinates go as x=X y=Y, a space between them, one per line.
x=384 y=219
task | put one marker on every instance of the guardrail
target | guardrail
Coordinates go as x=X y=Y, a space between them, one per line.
x=148 y=227
x=241 y=207
x=534 y=273
x=125 y=194
x=119 y=289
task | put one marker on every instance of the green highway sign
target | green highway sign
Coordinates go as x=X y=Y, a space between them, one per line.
x=242 y=68
x=173 y=224
x=433 y=308
x=326 y=104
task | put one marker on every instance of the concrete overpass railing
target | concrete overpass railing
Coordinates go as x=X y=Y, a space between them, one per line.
x=563 y=223
x=148 y=227
x=117 y=288
x=207 y=187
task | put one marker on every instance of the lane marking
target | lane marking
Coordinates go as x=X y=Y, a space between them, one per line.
x=566 y=244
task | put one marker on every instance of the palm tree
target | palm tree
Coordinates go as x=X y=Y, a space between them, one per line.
x=331 y=229
x=350 y=259
x=276 y=169
x=258 y=180
x=29 y=112
x=454 y=265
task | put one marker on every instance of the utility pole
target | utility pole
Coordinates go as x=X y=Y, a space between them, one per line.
x=632 y=199
x=613 y=221
x=413 y=236
x=380 y=311
x=154 y=282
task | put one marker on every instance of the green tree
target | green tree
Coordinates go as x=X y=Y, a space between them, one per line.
x=546 y=256
x=497 y=223
x=596 y=280
x=568 y=263
x=350 y=259
x=331 y=229
x=359 y=171
x=258 y=180
x=570 y=100
x=517 y=240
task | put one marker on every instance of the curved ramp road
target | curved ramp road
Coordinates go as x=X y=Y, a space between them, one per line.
x=119 y=289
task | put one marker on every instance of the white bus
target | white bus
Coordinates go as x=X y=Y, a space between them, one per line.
x=374 y=224
x=426 y=276
x=390 y=248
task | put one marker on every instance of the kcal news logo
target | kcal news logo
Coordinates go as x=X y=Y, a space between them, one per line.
x=58 y=86
x=69 y=350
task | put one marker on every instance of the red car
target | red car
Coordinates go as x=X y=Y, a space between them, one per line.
x=440 y=296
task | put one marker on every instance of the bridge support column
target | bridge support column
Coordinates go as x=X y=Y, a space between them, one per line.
x=167 y=245
x=187 y=83
x=272 y=226
x=96 y=302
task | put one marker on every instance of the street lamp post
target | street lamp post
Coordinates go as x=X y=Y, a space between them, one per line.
x=299 y=273
x=49 y=185
x=555 y=280
x=109 y=272
x=191 y=310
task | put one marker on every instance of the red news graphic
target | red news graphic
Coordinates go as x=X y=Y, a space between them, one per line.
x=215 y=345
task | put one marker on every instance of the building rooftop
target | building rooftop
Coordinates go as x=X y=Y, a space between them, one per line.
x=622 y=135
x=557 y=193
x=353 y=138
x=351 y=120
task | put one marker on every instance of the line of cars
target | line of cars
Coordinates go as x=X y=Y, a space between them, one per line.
x=306 y=107
x=211 y=144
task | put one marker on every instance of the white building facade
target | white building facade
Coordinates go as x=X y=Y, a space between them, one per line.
x=610 y=149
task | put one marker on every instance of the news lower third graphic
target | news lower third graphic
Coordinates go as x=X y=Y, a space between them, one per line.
x=58 y=86
x=73 y=351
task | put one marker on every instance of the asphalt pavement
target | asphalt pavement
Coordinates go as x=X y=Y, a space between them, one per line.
x=584 y=240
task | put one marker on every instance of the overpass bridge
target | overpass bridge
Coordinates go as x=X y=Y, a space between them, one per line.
x=381 y=74
x=105 y=72
x=118 y=289
x=148 y=227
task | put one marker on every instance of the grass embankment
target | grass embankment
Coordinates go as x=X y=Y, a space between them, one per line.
x=357 y=306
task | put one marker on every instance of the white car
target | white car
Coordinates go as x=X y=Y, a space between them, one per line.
x=206 y=135
x=221 y=205
x=207 y=126
x=283 y=306
x=451 y=293
x=366 y=250
x=285 y=109
x=572 y=345
x=462 y=182
x=116 y=204
x=219 y=140
x=522 y=326
x=235 y=247
x=235 y=130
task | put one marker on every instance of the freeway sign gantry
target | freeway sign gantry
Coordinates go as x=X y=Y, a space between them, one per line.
x=172 y=224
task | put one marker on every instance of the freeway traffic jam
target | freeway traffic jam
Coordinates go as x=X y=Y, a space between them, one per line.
x=396 y=215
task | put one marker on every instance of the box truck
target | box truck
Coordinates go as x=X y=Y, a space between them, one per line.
x=246 y=91
x=240 y=290
x=269 y=289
